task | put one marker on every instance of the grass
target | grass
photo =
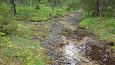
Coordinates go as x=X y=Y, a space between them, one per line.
x=20 y=49
x=42 y=14
x=103 y=27
x=25 y=51
x=30 y=49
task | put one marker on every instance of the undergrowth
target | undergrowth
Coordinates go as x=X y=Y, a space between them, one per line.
x=43 y=13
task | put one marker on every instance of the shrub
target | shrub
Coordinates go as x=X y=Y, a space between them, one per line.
x=73 y=5
x=7 y=26
x=109 y=12
x=39 y=19
x=4 y=9
x=1 y=34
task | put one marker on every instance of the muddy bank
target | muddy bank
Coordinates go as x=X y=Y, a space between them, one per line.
x=66 y=44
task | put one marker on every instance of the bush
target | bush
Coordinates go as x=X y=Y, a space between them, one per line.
x=7 y=26
x=4 y=42
x=4 y=9
x=109 y=12
x=1 y=34
x=39 y=19
x=75 y=4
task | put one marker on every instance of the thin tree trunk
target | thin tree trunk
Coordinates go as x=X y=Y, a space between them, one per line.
x=97 y=11
x=101 y=8
x=53 y=4
x=13 y=7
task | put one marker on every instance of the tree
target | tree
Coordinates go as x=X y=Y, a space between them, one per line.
x=13 y=6
x=53 y=3
x=99 y=7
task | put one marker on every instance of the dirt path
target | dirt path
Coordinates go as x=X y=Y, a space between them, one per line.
x=68 y=45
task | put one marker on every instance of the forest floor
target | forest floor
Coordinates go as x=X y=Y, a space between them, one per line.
x=58 y=41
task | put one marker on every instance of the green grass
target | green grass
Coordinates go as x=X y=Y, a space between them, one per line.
x=44 y=13
x=103 y=27
x=31 y=50
x=88 y=22
x=20 y=48
x=17 y=48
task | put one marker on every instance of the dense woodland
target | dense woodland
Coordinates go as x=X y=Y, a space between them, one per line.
x=15 y=35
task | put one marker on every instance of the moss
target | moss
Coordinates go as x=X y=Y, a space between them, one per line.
x=39 y=19
x=113 y=47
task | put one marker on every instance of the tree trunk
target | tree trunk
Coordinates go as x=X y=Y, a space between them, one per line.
x=53 y=4
x=13 y=7
x=97 y=7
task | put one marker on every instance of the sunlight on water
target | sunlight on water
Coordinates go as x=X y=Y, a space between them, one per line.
x=72 y=53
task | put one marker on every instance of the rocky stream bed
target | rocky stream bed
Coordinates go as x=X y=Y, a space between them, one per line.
x=67 y=44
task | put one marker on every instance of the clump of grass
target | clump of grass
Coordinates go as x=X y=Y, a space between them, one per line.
x=39 y=19
x=88 y=22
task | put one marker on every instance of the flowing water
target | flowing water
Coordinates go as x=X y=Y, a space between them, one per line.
x=88 y=51
x=71 y=52
x=75 y=52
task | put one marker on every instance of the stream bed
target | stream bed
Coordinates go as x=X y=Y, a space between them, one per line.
x=68 y=46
